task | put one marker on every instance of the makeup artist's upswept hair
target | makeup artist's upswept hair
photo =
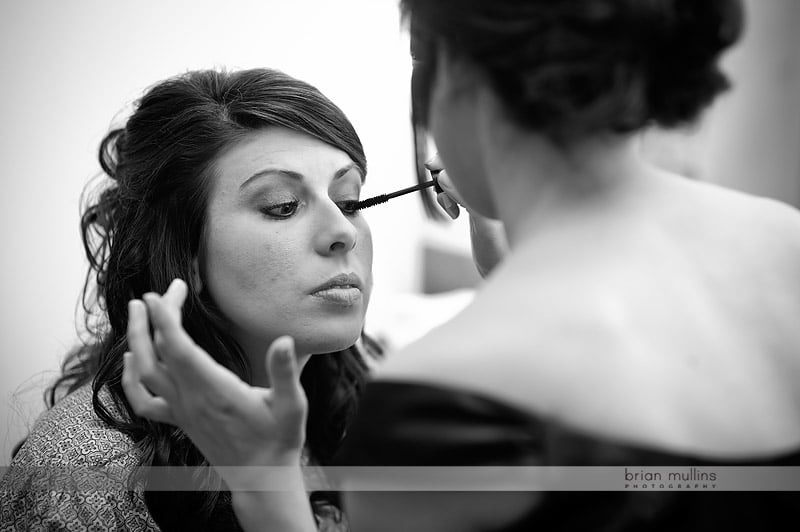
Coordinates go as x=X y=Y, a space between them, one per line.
x=145 y=228
x=569 y=68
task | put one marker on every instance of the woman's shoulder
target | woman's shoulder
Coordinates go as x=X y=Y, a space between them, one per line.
x=755 y=219
x=507 y=351
x=71 y=433
x=74 y=472
x=590 y=377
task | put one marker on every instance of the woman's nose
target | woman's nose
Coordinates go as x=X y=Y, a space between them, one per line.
x=434 y=164
x=336 y=232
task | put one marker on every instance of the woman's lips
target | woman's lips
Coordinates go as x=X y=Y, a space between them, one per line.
x=343 y=289
x=344 y=295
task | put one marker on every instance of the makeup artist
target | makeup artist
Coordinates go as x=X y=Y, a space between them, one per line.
x=639 y=319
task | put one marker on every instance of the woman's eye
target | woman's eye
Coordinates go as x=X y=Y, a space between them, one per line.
x=348 y=207
x=281 y=210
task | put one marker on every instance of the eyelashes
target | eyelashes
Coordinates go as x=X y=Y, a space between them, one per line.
x=348 y=207
x=281 y=210
x=287 y=209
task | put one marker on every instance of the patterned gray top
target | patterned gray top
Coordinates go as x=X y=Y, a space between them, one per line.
x=72 y=474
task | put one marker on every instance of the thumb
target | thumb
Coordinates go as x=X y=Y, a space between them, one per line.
x=175 y=295
x=447 y=186
x=283 y=371
x=449 y=199
x=448 y=204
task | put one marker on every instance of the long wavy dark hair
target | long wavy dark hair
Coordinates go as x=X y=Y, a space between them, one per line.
x=144 y=227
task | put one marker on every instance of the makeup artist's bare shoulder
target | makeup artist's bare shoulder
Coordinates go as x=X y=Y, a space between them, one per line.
x=475 y=349
x=557 y=350
x=772 y=224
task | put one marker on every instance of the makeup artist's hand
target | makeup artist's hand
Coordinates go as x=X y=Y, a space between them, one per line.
x=169 y=378
x=487 y=236
x=448 y=199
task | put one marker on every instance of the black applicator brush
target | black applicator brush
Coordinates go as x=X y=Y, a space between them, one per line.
x=383 y=198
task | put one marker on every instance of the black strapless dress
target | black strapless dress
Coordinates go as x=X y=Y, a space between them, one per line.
x=413 y=424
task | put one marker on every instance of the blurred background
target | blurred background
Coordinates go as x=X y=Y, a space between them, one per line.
x=71 y=69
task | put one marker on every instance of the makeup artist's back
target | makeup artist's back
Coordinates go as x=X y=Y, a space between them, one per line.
x=640 y=318
x=672 y=323
x=670 y=342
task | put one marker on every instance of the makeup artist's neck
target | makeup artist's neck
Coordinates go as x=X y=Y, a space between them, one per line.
x=538 y=185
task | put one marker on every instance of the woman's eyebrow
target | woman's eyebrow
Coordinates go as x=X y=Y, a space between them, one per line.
x=271 y=171
x=345 y=169
x=281 y=172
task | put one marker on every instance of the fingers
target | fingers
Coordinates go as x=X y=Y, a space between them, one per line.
x=192 y=369
x=282 y=367
x=448 y=204
x=285 y=376
x=149 y=370
x=143 y=403
x=288 y=400
x=175 y=295
x=172 y=341
x=449 y=198
x=434 y=164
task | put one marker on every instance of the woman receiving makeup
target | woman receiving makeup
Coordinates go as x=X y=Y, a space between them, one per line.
x=239 y=183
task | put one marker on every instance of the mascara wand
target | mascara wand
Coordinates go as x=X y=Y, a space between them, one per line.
x=383 y=198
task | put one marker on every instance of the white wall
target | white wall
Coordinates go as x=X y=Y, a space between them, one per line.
x=753 y=139
x=750 y=138
x=68 y=67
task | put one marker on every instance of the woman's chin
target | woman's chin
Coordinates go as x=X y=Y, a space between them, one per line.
x=328 y=344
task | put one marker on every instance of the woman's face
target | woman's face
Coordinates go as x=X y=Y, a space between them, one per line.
x=282 y=255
